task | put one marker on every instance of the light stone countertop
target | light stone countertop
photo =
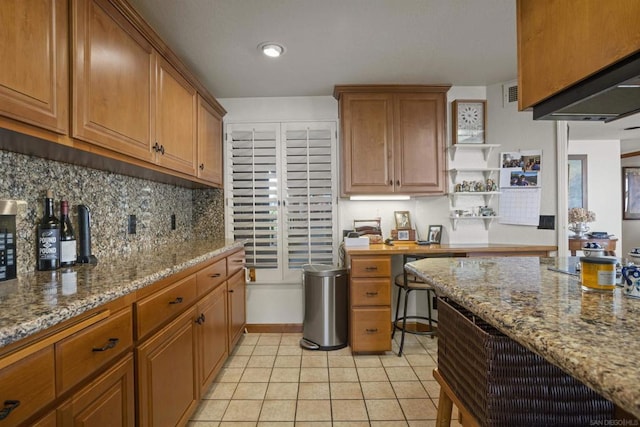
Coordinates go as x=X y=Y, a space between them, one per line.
x=593 y=336
x=37 y=301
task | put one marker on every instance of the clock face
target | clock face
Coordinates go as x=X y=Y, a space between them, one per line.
x=470 y=116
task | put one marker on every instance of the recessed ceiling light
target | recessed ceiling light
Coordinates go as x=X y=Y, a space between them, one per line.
x=272 y=50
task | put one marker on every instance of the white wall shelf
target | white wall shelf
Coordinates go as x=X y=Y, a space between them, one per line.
x=486 y=148
x=487 y=220
x=487 y=195
x=485 y=171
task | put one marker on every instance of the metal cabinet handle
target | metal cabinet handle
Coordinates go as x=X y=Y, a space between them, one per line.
x=213 y=276
x=108 y=346
x=372 y=331
x=398 y=183
x=230 y=291
x=372 y=294
x=156 y=147
x=201 y=166
x=200 y=319
x=176 y=301
x=371 y=268
x=162 y=149
x=9 y=405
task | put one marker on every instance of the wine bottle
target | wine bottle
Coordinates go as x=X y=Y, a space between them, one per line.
x=48 y=237
x=68 y=253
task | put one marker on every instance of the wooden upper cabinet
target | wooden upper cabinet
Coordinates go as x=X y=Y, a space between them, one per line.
x=392 y=139
x=113 y=80
x=561 y=43
x=419 y=135
x=176 y=108
x=209 y=143
x=34 y=55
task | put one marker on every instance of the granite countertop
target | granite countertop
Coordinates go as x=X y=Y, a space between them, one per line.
x=593 y=336
x=37 y=301
x=400 y=247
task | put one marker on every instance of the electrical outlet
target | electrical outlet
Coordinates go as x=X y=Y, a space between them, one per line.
x=131 y=226
x=173 y=221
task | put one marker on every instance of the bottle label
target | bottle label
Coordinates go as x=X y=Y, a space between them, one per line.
x=67 y=251
x=48 y=244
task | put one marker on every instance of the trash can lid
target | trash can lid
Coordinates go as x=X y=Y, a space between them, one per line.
x=323 y=270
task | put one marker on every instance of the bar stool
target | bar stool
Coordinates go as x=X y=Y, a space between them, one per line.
x=407 y=283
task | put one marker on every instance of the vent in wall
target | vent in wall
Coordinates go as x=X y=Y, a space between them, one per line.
x=509 y=93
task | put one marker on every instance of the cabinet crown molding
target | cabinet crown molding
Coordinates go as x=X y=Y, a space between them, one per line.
x=338 y=90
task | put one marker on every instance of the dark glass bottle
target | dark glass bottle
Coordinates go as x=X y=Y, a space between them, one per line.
x=68 y=252
x=48 y=237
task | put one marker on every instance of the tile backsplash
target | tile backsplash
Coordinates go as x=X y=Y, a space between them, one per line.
x=111 y=199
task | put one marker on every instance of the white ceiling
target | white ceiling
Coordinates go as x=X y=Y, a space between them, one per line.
x=329 y=42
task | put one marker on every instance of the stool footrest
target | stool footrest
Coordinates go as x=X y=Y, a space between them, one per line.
x=431 y=330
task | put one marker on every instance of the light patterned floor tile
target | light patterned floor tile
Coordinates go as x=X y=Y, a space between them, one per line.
x=343 y=375
x=289 y=350
x=420 y=360
x=287 y=362
x=247 y=391
x=261 y=361
x=348 y=410
x=367 y=361
x=269 y=339
x=278 y=410
x=418 y=409
x=310 y=391
x=314 y=361
x=313 y=410
x=285 y=375
x=341 y=362
x=210 y=410
x=372 y=374
x=265 y=350
x=220 y=391
x=237 y=361
x=424 y=373
x=229 y=375
x=314 y=375
x=242 y=410
x=256 y=375
x=377 y=390
x=282 y=391
x=409 y=390
x=384 y=410
x=393 y=361
x=401 y=373
x=346 y=391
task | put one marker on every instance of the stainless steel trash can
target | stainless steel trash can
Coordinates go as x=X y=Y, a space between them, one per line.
x=325 y=325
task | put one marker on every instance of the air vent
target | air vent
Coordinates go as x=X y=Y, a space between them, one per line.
x=509 y=93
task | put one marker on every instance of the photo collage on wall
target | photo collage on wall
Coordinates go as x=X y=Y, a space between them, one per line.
x=520 y=169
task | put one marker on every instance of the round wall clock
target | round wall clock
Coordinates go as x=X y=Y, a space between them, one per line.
x=469 y=121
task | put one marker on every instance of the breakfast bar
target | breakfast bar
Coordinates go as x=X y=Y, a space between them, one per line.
x=592 y=336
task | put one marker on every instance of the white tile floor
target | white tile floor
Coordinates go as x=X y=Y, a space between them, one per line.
x=270 y=381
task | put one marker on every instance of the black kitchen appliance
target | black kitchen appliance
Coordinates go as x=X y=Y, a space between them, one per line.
x=84 y=236
x=8 y=211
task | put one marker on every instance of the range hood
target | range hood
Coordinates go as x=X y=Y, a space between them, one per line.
x=610 y=94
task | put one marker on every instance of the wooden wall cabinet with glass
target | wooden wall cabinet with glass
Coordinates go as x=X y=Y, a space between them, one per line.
x=550 y=59
x=392 y=139
x=34 y=76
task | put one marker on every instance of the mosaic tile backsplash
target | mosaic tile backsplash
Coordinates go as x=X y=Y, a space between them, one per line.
x=111 y=199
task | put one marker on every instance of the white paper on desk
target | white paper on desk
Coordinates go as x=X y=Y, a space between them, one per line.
x=520 y=206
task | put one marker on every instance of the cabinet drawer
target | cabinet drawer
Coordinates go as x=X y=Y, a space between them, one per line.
x=210 y=277
x=371 y=329
x=376 y=291
x=235 y=262
x=164 y=305
x=30 y=381
x=88 y=350
x=371 y=267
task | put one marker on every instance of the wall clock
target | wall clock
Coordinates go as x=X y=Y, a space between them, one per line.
x=469 y=120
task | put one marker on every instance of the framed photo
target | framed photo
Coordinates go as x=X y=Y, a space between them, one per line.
x=403 y=220
x=435 y=234
x=631 y=193
x=403 y=234
x=469 y=121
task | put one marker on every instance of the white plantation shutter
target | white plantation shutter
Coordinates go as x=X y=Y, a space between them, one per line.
x=281 y=196
x=309 y=193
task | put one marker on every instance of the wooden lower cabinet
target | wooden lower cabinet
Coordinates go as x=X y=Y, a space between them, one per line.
x=27 y=386
x=236 y=303
x=107 y=402
x=212 y=335
x=166 y=369
x=48 y=420
x=371 y=329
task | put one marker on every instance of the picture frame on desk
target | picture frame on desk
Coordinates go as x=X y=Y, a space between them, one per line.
x=403 y=220
x=435 y=234
x=403 y=234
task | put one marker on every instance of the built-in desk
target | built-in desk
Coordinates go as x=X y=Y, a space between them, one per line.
x=370 y=282
x=609 y=245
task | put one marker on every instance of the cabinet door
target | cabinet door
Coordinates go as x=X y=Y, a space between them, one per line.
x=113 y=69
x=209 y=143
x=236 y=304
x=167 y=386
x=419 y=139
x=212 y=335
x=33 y=50
x=27 y=385
x=107 y=402
x=367 y=155
x=175 y=120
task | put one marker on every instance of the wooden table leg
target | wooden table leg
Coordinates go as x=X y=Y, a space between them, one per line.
x=445 y=406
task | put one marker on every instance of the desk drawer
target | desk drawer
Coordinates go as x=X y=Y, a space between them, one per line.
x=371 y=329
x=29 y=381
x=371 y=267
x=375 y=291
x=164 y=305
x=88 y=350
x=210 y=277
